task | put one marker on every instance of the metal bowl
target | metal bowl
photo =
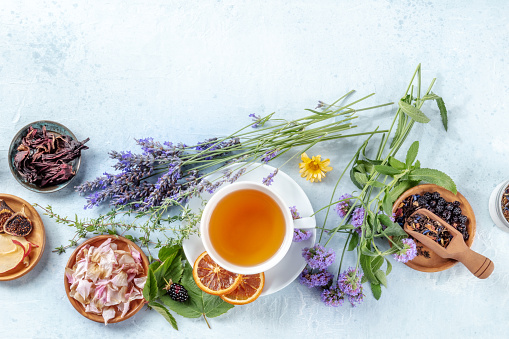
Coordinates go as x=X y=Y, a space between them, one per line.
x=54 y=128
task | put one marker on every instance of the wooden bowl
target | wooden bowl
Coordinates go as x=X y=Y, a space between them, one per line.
x=37 y=236
x=52 y=127
x=435 y=263
x=122 y=244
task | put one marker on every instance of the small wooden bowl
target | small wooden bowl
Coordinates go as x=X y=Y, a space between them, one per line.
x=122 y=244
x=37 y=236
x=435 y=263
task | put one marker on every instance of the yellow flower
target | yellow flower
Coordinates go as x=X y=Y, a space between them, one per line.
x=314 y=168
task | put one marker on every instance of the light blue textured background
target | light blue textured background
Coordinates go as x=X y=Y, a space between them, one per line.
x=184 y=71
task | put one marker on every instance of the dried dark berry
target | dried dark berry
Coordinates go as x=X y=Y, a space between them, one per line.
x=456 y=203
x=441 y=201
x=422 y=201
x=456 y=211
x=178 y=293
x=427 y=195
x=463 y=219
x=433 y=203
x=439 y=208
x=449 y=206
x=446 y=215
x=435 y=195
x=455 y=219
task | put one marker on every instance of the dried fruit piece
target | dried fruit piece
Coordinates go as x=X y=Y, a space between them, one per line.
x=18 y=224
x=249 y=289
x=212 y=278
x=5 y=213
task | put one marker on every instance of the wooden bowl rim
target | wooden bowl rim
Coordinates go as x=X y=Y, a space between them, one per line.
x=471 y=225
x=77 y=305
x=36 y=220
x=14 y=171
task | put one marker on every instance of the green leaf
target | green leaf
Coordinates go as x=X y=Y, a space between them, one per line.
x=433 y=176
x=353 y=242
x=396 y=163
x=380 y=275
x=377 y=263
x=150 y=289
x=443 y=111
x=165 y=313
x=376 y=184
x=366 y=268
x=394 y=230
x=430 y=96
x=361 y=178
x=387 y=170
x=389 y=267
x=411 y=154
x=413 y=112
x=401 y=188
x=167 y=251
x=161 y=273
x=376 y=289
x=364 y=279
x=199 y=303
x=352 y=174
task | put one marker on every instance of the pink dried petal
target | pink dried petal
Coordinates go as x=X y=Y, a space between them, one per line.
x=108 y=314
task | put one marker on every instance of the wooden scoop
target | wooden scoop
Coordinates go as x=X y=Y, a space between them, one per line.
x=479 y=265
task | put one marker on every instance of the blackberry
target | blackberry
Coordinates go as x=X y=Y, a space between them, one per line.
x=422 y=201
x=427 y=195
x=449 y=206
x=446 y=215
x=455 y=219
x=439 y=208
x=441 y=201
x=456 y=203
x=435 y=195
x=463 y=219
x=433 y=203
x=177 y=292
x=456 y=211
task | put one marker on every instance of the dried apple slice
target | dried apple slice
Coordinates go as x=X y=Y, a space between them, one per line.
x=12 y=259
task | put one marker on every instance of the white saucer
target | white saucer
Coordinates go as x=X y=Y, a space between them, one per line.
x=293 y=263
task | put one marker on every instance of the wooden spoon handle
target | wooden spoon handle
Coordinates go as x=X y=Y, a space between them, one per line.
x=478 y=264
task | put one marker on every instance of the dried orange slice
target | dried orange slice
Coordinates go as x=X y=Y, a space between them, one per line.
x=249 y=289
x=212 y=278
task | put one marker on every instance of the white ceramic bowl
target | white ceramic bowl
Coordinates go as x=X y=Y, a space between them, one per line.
x=495 y=206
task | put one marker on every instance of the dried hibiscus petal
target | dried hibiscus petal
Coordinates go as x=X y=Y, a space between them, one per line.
x=44 y=158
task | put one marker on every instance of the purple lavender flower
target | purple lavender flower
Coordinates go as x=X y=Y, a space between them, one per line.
x=256 y=119
x=358 y=219
x=356 y=299
x=318 y=256
x=408 y=252
x=349 y=282
x=301 y=235
x=342 y=207
x=237 y=175
x=310 y=280
x=270 y=178
x=294 y=212
x=333 y=296
x=269 y=155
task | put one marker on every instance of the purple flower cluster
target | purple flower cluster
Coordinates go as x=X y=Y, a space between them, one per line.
x=333 y=296
x=270 y=178
x=165 y=162
x=342 y=207
x=321 y=278
x=358 y=219
x=269 y=155
x=408 y=252
x=256 y=119
x=294 y=212
x=319 y=257
x=349 y=287
x=301 y=235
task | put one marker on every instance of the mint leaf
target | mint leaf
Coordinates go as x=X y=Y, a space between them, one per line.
x=401 y=188
x=167 y=251
x=361 y=178
x=376 y=289
x=165 y=313
x=413 y=112
x=199 y=303
x=387 y=204
x=353 y=242
x=389 y=267
x=150 y=289
x=380 y=275
x=443 y=111
x=411 y=154
x=366 y=268
x=387 y=170
x=396 y=163
x=433 y=176
x=162 y=271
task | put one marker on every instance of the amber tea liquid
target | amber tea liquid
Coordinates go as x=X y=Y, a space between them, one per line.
x=247 y=227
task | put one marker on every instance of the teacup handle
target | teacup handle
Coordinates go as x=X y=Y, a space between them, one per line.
x=308 y=222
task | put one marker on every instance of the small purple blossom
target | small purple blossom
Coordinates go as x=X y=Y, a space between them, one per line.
x=333 y=296
x=310 y=280
x=294 y=212
x=256 y=119
x=270 y=178
x=318 y=256
x=269 y=155
x=342 y=207
x=349 y=282
x=301 y=235
x=408 y=252
x=356 y=299
x=358 y=219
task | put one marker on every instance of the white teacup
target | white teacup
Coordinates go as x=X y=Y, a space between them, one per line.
x=289 y=225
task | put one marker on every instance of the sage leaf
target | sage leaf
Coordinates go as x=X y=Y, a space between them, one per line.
x=376 y=289
x=353 y=242
x=387 y=170
x=150 y=289
x=411 y=154
x=443 y=111
x=366 y=268
x=433 y=176
x=165 y=313
x=389 y=267
x=377 y=263
x=380 y=275
x=413 y=112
